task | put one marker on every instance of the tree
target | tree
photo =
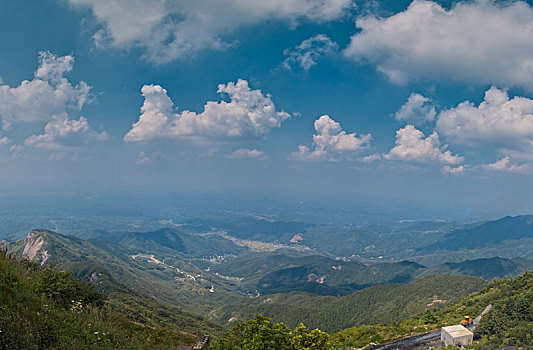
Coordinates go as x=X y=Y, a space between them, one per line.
x=314 y=340
x=261 y=333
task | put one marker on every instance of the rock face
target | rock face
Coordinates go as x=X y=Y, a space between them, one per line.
x=33 y=251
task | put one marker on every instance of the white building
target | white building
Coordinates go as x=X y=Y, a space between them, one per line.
x=456 y=335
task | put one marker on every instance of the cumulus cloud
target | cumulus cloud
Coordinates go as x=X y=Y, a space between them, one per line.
x=309 y=52
x=507 y=165
x=17 y=151
x=331 y=142
x=417 y=110
x=481 y=41
x=498 y=122
x=249 y=114
x=372 y=157
x=63 y=132
x=4 y=141
x=171 y=29
x=244 y=153
x=453 y=171
x=411 y=145
x=144 y=158
x=48 y=94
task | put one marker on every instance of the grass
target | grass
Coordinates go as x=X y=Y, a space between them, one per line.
x=43 y=308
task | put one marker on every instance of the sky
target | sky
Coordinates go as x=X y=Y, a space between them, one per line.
x=422 y=102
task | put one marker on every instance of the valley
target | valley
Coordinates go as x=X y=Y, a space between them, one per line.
x=224 y=279
x=214 y=269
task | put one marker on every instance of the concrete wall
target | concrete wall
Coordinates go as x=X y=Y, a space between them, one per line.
x=456 y=335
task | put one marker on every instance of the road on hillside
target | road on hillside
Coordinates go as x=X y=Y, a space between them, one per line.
x=410 y=343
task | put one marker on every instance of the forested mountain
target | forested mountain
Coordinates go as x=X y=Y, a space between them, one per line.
x=386 y=303
x=509 y=323
x=173 y=281
x=151 y=278
x=489 y=233
x=486 y=268
x=221 y=280
x=508 y=237
x=429 y=243
x=271 y=273
x=168 y=240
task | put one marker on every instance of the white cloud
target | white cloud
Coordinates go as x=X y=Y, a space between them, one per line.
x=17 y=151
x=507 y=165
x=412 y=146
x=372 y=157
x=417 y=110
x=48 y=94
x=4 y=141
x=63 y=132
x=481 y=41
x=249 y=114
x=309 y=52
x=498 y=122
x=453 y=171
x=331 y=142
x=243 y=153
x=171 y=29
x=144 y=158
x=52 y=68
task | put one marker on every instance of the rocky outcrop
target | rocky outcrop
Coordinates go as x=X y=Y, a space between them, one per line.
x=33 y=248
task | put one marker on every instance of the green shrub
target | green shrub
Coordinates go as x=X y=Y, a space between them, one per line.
x=65 y=291
x=43 y=308
x=261 y=333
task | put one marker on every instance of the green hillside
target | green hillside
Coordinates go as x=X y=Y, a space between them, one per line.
x=508 y=237
x=169 y=241
x=42 y=308
x=272 y=273
x=486 y=268
x=396 y=241
x=508 y=324
x=386 y=303
x=285 y=272
x=492 y=232
x=115 y=271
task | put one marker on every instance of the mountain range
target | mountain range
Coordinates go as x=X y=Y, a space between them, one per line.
x=220 y=277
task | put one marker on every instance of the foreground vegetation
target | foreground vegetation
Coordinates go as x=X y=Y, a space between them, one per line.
x=42 y=308
x=508 y=324
x=261 y=333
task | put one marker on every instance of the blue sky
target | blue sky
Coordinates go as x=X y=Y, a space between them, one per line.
x=427 y=102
